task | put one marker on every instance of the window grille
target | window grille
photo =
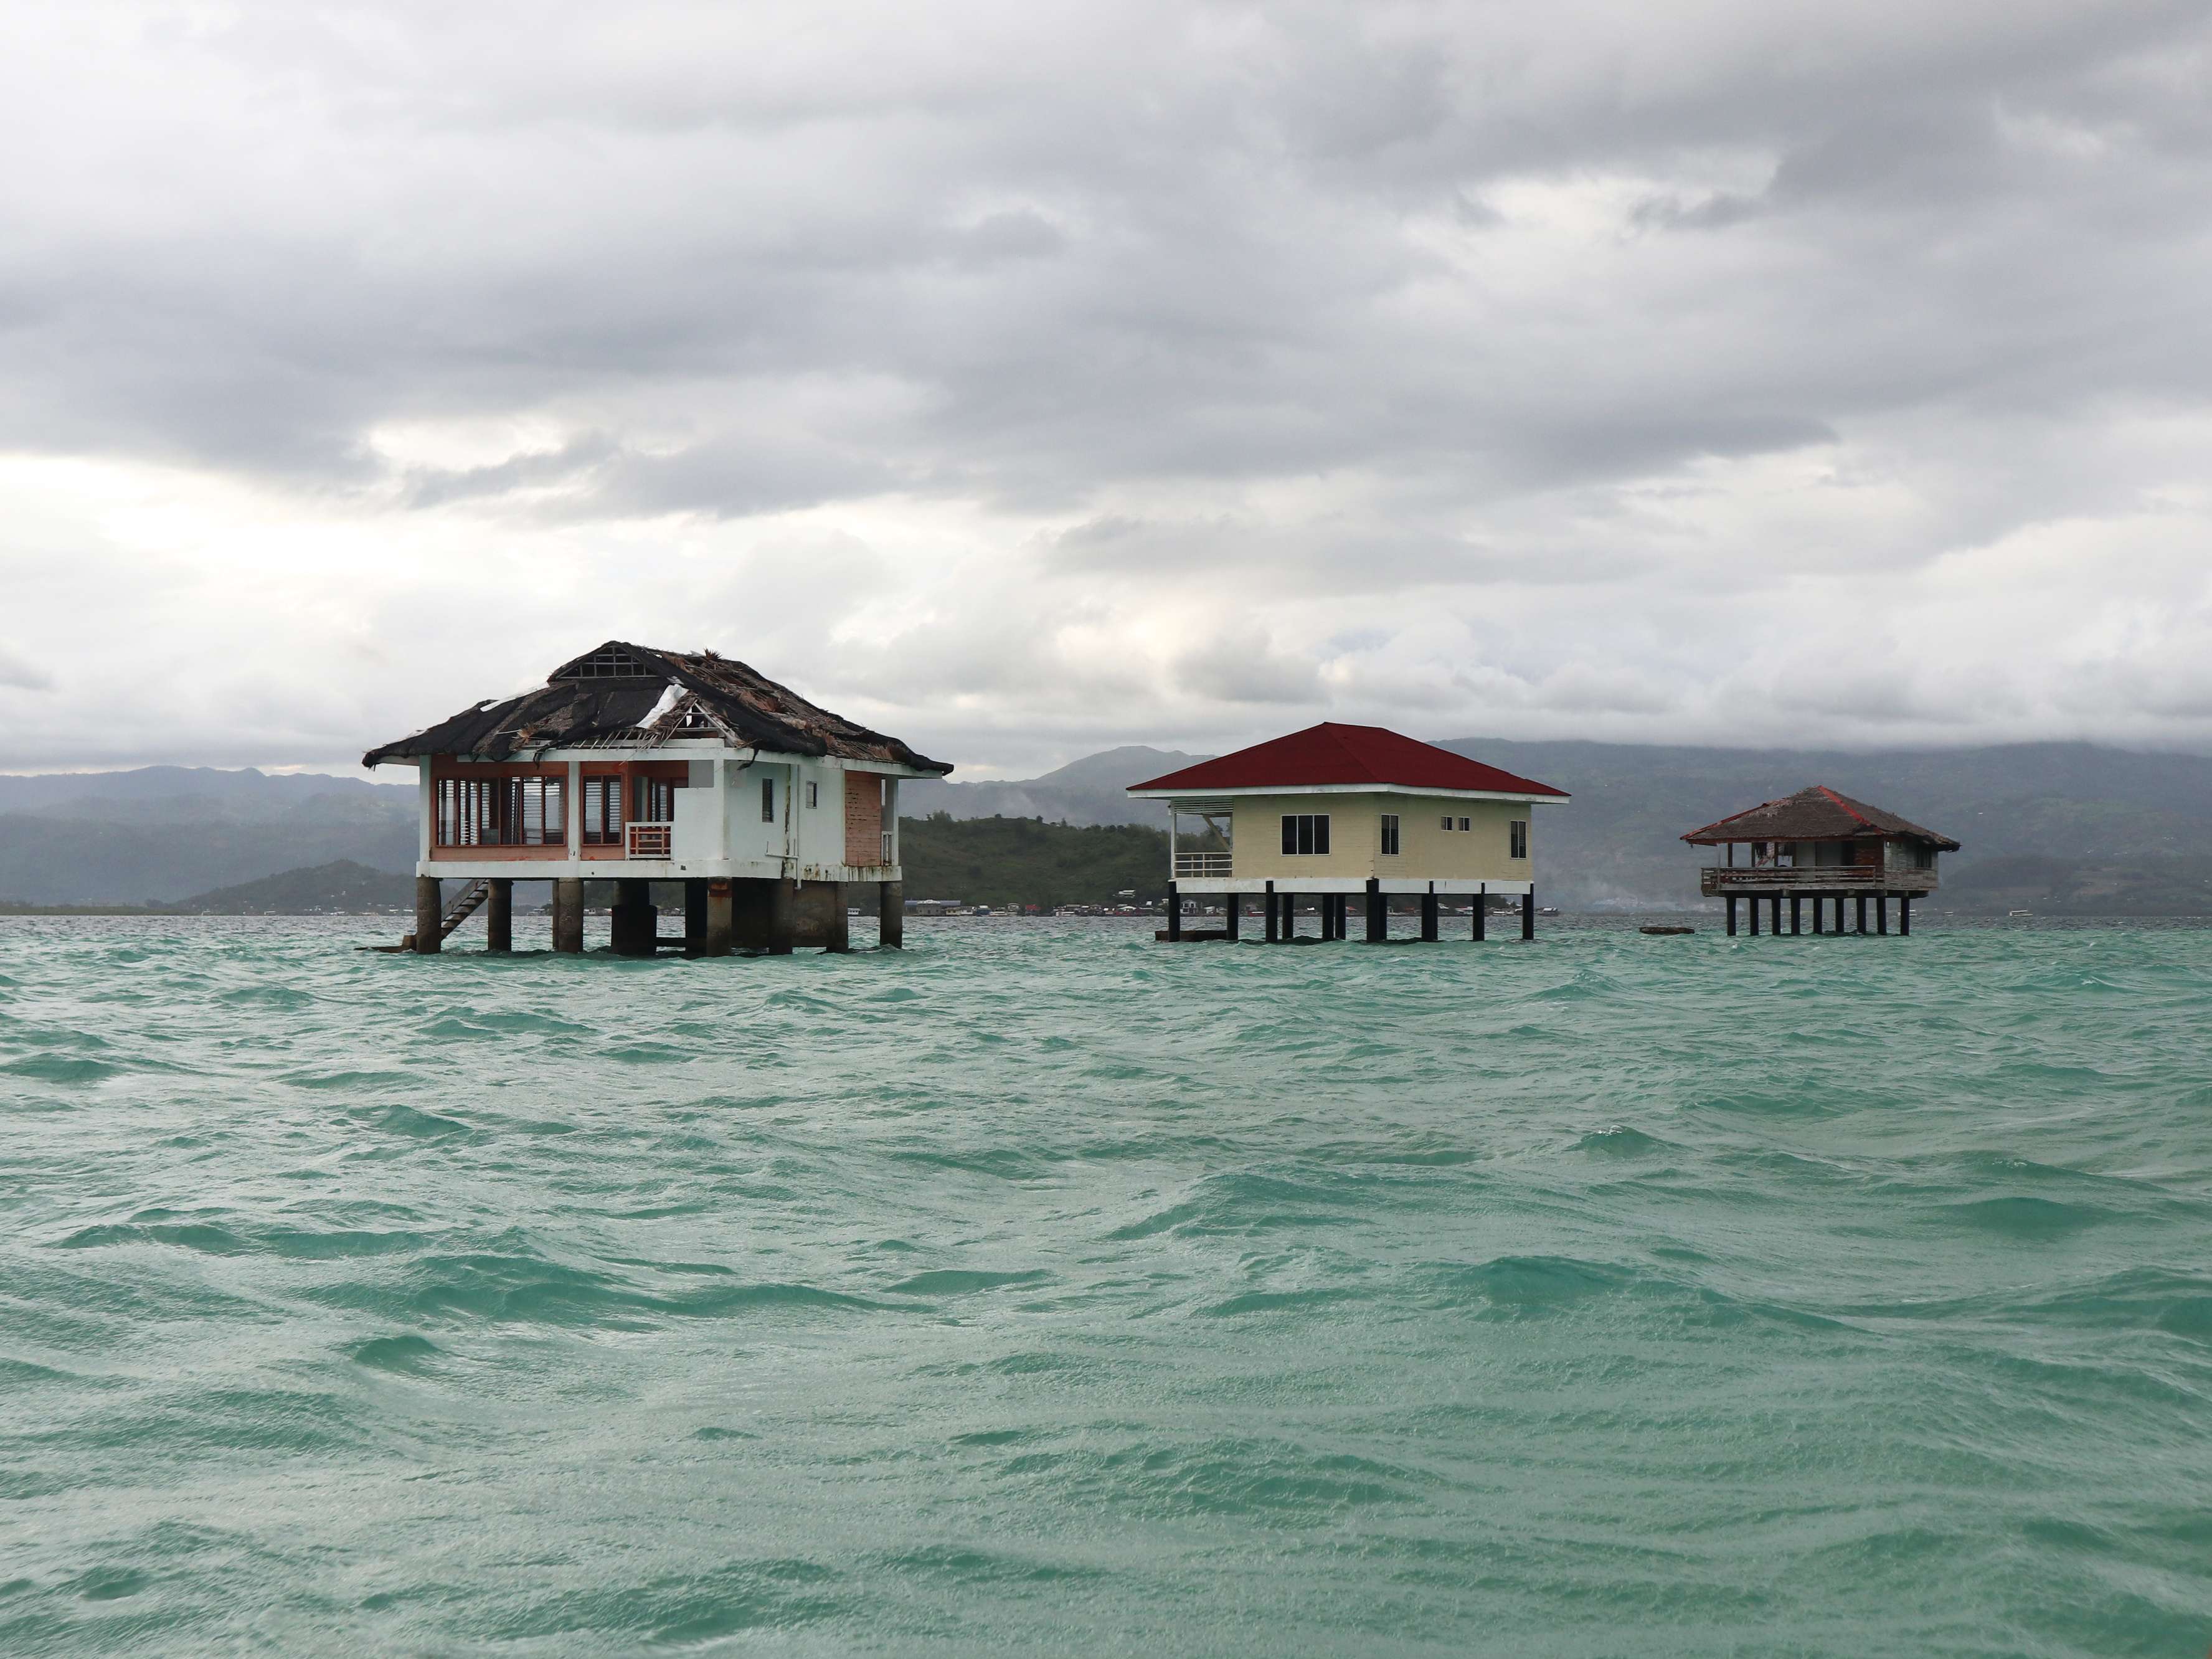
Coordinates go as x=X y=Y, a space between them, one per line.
x=1389 y=835
x=767 y=800
x=501 y=812
x=1305 y=833
x=1517 y=838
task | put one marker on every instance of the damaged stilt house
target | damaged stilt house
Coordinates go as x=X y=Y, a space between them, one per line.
x=642 y=767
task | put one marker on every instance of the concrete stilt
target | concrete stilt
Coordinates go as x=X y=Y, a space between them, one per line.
x=891 y=914
x=782 y=917
x=719 y=932
x=499 y=916
x=840 y=939
x=635 y=921
x=568 y=916
x=694 y=918
x=429 y=915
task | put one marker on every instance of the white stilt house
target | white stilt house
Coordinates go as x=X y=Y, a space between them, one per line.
x=1338 y=811
x=645 y=766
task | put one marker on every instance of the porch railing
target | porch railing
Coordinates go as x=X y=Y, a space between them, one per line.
x=1188 y=866
x=1717 y=879
x=649 y=839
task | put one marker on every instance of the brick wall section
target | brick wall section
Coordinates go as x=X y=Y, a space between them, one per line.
x=864 y=818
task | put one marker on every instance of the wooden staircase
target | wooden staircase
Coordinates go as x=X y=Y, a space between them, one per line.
x=466 y=904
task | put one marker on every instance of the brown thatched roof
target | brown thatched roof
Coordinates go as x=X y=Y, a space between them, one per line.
x=629 y=696
x=1817 y=814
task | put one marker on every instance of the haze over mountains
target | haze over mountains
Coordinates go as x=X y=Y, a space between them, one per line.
x=2060 y=825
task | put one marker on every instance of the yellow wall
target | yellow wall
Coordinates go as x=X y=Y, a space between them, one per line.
x=1426 y=852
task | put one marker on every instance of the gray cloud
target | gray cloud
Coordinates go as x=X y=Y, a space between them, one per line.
x=1497 y=333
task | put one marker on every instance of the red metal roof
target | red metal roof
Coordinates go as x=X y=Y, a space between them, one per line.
x=1816 y=813
x=1329 y=753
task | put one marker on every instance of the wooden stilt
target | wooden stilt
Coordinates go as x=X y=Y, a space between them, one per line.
x=1378 y=913
x=1529 y=914
x=1729 y=901
x=1775 y=912
x=1820 y=909
x=568 y=916
x=1274 y=919
x=1881 y=914
x=1232 y=913
x=1431 y=915
x=429 y=915
x=499 y=915
x=1482 y=915
x=1754 y=915
x=1796 y=916
x=1175 y=914
x=890 y=915
x=1862 y=908
x=1904 y=915
x=1838 y=927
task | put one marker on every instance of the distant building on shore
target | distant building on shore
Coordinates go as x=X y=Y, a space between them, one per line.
x=1338 y=811
x=659 y=766
x=1823 y=845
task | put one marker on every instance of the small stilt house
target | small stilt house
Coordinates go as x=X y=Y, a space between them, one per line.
x=1337 y=813
x=643 y=766
x=1825 y=847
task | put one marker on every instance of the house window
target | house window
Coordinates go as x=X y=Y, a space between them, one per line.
x=653 y=800
x=501 y=812
x=1389 y=835
x=1466 y=825
x=603 y=811
x=1516 y=835
x=1448 y=824
x=1305 y=833
x=767 y=800
x=813 y=795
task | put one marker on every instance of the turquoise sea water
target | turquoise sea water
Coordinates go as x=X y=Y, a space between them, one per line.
x=1043 y=1289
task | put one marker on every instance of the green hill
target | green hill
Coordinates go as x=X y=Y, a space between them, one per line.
x=341 y=887
x=1003 y=862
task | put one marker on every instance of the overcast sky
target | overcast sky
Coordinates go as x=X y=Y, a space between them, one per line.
x=1027 y=378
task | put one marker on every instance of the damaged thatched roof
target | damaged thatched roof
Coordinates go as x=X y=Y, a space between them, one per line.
x=628 y=696
x=1816 y=814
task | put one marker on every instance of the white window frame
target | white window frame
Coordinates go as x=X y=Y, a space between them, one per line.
x=1390 y=837
x=1516 y=838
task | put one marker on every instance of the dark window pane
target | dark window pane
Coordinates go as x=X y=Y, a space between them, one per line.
x=1289 y=833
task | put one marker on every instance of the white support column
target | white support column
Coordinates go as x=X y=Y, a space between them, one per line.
x=891 y=815
x=718 y=819
x=426 y=793
x=575 y=822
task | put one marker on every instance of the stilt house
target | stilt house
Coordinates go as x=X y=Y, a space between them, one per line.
x=1823 y=845
x=1338 y=811
x=647 y=766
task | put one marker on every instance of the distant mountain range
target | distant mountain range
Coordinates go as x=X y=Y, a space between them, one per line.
x=2065 y=827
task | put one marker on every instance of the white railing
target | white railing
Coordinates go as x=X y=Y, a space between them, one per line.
x=650 y=839
x=1194 y=865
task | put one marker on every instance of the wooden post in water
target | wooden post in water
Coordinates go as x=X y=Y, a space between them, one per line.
x=1482 y=913
x=499 y=916
x=1797 y=917
x=1820 y=909
x=1754 y=915
x=1529 y=914
x=634 y=920
x=1729 y=901
x=1904 y=915
x=1175 y=914
x=429 y=915
x=1274 y=921
x=694 y=918
x=890 y=915
x=1881 y=913
x=1861 y=908
x=568 y=916
x=1378 y=913
x=1232 y=915
x=1431 y=915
